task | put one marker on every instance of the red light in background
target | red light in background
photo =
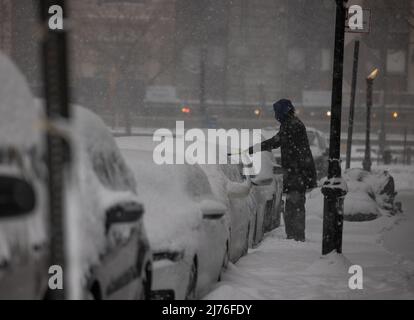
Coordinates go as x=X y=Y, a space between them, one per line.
x=186 y=110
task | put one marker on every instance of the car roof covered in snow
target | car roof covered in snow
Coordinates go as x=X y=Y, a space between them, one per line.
x=19 y=124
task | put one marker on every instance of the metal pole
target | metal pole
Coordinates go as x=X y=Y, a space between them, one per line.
x=333 y=192
x=382 y=136
x=382 y=139
x=352 y=105
x=202 y=93
x=405 y=153
x=366 y=164
x=55 y=76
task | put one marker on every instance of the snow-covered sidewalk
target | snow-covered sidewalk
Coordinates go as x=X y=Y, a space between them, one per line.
x=285 y=269
x=400 y=239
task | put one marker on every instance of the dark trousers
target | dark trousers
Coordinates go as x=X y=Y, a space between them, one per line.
x=294 y=215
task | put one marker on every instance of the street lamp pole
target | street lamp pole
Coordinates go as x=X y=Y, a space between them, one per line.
x=58 y=153
x=202 y=89
x=352 y=105
x=366 y=164
x=334 y=189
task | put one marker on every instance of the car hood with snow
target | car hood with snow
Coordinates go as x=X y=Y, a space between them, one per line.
x=174 y=196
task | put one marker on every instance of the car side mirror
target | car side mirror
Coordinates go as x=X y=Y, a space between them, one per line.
x=127 y=212
x=212 y=210
x=17 y=197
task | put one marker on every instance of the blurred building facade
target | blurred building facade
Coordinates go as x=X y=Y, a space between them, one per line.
x=147 y=59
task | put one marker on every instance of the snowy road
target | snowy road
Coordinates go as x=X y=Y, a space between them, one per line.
x=284 y=269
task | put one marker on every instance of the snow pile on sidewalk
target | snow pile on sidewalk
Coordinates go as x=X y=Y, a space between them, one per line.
x=330 y=264
x=370 y=194
x=359 y=204
x=381 y=184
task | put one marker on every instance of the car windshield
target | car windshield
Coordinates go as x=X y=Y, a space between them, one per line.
x=197 y=184
x=313 y=141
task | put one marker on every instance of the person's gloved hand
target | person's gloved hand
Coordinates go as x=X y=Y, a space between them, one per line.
x=236 y=153
x=239 y=152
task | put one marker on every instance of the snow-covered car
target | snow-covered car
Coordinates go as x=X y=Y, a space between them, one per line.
x=369 y=194
x=112 y=251
x=269 y=181
x=23 y=260
x=251 y=201
x=251 y=204
x=252 y=211
x=268 y=188
x=187 y=225
x=115 y=254
x=235 y=193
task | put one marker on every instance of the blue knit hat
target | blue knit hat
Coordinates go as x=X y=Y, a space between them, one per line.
x=282 y=108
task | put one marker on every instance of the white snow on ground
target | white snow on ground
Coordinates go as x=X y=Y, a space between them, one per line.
x=285 y=269
x=400 y=238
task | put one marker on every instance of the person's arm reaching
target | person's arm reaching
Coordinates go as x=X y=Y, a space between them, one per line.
x=267 y=145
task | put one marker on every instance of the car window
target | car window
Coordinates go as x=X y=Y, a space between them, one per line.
x=111 y=170
x=38 y=161
x=196 y=183
x=312 y=138
x=232 y=172
x=322 y=142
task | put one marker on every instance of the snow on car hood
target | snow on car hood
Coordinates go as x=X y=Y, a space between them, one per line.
x=171 y=214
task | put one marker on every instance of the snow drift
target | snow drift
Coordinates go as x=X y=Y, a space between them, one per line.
x=370 y=194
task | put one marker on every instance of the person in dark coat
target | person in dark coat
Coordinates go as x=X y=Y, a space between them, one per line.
x=297 y=162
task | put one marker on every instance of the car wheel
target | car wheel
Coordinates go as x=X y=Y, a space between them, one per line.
x=89 y=296
x=145 y=289
x=192 y=282
x=93 y=293
x=147 y=282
